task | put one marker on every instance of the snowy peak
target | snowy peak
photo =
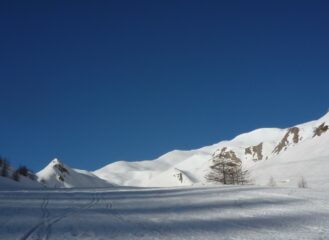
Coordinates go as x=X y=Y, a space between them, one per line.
x=54 y=162
x=56 y=174
x=59 y=169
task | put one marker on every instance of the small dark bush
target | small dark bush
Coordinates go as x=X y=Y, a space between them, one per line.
x=4 y=168
x=15 y=175
x=22 y=170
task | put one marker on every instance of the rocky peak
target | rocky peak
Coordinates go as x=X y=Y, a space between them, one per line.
x=56 y=161
x=59 y=169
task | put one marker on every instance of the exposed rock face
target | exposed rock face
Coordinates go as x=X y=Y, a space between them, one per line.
x=179 y=175
x=320 y=129
x=226 y=154
x=182 y=177
x=255 y=152
x=294 y=132
x=60 y=170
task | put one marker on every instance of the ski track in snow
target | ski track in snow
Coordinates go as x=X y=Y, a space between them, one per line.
x=42 y=230
x=140 y=226
x=173 y=213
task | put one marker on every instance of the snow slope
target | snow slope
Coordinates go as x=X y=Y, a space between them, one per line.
x=56 y=174
x=285 y=154
x=225 y=212
x=28 y=180
x=308 y=159
x=24 y=182
x=159 y=173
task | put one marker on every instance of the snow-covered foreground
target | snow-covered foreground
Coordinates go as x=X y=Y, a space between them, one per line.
x=247 y=212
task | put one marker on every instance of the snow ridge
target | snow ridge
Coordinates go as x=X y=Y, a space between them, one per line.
x=283 y=154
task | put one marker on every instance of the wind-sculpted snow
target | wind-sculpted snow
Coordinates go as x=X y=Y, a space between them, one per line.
x=174 y=213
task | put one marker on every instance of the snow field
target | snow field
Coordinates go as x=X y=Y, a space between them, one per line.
x=232 y=212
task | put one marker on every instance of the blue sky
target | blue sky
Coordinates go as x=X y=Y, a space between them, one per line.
x=93 y=82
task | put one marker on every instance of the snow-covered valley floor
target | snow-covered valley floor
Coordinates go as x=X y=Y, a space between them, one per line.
x=247 y=212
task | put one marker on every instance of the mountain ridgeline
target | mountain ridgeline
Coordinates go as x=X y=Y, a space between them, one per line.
x=283 y=155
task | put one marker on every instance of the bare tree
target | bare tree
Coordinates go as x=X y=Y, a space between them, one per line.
x=242 y=176
x=218 y=171
x=227 y=172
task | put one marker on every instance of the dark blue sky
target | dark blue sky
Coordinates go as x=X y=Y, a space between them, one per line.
x=92 y=82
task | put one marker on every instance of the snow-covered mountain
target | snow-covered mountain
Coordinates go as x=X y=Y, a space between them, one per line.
x=57 y=174
x=285 y=154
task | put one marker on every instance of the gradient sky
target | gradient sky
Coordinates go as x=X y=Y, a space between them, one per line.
x=92 y=82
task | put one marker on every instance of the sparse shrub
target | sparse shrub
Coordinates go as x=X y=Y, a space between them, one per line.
x=5 y=171
x=22 y=170
x=4 y=168
x=16 y=175
x=302 y=183
x=32 y=176
x=271 y=182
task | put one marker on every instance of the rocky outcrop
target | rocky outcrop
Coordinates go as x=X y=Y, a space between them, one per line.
x=179 y=175
x=227 y=154
x=61 y=171
x=60 y=167
x=294 y=132
x=255 y=152
x=182 y=177
x=320 y=129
